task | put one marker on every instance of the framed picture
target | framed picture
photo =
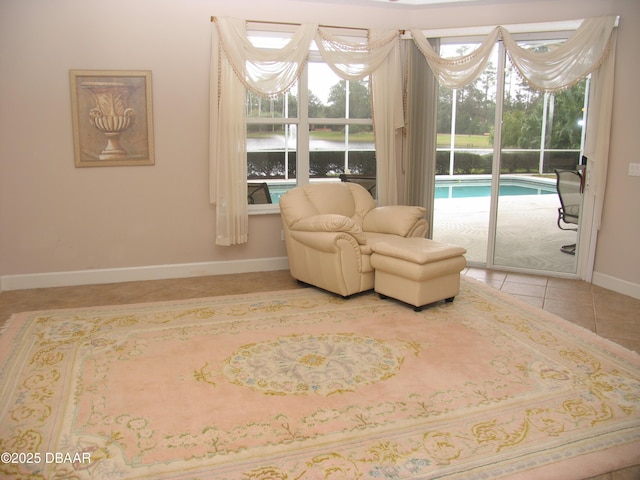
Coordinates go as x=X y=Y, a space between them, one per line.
x=112 y=117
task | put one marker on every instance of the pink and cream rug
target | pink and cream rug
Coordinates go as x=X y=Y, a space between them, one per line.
x=302 y=384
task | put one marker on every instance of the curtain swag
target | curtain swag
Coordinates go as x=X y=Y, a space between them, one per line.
x=581 y=54
x=236 y=65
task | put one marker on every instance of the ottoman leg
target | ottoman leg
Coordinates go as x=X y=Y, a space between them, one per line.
x=419 y=309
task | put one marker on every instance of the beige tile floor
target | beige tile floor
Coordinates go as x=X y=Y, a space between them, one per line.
x=609 y=314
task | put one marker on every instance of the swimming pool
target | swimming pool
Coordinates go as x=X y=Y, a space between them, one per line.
x=465 y=187
x=471 y=188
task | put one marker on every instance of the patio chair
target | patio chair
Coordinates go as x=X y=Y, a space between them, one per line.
x=257 y=193
x=569 y=186
x=368 y=182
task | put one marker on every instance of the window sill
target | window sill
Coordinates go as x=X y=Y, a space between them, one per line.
x=266 y=209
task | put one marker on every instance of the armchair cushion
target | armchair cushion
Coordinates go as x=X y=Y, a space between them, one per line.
x=397 y=219
x=330 y=222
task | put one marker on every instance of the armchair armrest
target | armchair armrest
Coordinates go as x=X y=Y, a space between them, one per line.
x=330 y=242
x=330 y=223
x=394 y=219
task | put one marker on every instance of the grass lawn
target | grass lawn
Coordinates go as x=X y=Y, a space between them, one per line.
x=465 y=141
x=329 y=136
x=444 y=140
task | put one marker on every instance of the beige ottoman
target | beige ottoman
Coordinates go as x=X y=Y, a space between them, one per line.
x=417 y=271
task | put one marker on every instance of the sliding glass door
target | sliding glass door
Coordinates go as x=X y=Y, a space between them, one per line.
x=464 y=160
x=496 y=186
x=541 y=133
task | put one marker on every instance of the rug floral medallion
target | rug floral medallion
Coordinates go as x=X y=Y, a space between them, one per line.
x=302 y=384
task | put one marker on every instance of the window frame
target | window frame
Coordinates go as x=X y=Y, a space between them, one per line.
x=303 y=123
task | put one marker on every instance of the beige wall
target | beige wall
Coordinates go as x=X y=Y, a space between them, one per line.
x=58 y=218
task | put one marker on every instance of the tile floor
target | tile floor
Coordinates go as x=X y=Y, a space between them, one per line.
x=609 y=314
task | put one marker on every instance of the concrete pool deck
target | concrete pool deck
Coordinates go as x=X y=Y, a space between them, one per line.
x=527 y=236
x=527 y=233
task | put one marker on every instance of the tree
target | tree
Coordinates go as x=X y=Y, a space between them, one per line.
x=359 y=101
x=565 y=129
x=337 y=101
x=316 y=107
x=476 y=104
x=445 y=102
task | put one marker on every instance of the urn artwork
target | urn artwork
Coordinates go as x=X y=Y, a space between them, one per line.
x=112 y=117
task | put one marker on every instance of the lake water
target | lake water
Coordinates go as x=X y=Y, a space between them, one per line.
x=277 y=143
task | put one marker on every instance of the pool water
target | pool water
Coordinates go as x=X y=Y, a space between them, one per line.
x=468 y=191
x=462 y=189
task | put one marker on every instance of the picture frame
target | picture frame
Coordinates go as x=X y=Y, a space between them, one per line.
x=112 y=114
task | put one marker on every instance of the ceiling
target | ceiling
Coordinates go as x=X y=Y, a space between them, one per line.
x=404 y=3
x=419 y=2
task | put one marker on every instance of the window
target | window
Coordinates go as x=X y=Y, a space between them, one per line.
x=466 y=120
x=540 y=131
x=319 y=129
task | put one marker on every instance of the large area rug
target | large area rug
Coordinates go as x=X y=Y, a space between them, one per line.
x=302 y=384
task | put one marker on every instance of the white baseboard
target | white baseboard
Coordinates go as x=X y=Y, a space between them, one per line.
x=616 y=284
x=185 y=270
x=153 y=272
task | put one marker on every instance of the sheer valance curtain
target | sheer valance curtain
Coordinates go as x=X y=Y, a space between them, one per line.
x=236 y=65
x=589 y=50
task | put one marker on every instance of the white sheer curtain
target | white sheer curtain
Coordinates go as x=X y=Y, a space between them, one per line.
x=459 y=71
x=576 y=58
x=237 y=65
x=265 y=71
x=388 y=120
x=589 y=50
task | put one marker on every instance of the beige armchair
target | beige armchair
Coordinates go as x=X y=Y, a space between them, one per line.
x=330 y=228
